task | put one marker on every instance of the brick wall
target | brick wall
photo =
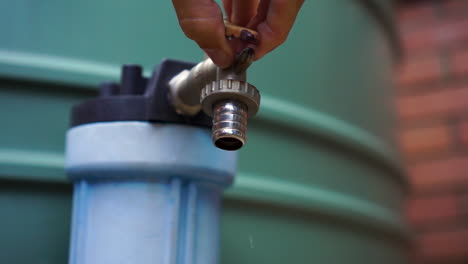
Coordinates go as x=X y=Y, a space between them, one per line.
x=432 y=102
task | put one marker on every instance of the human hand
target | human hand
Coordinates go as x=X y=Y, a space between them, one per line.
x=202 y=21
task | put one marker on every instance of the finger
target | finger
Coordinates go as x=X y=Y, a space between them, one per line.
x=274 y=30
x=261 y=15
x=202 y=21
x=242 y=11
x=227 y=4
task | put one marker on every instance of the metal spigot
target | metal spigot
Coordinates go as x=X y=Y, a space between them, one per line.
x=223 y=94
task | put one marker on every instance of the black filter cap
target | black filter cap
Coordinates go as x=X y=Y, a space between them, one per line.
x=137 y=98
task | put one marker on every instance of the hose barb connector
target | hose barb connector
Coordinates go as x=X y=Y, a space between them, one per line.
x=229 y=124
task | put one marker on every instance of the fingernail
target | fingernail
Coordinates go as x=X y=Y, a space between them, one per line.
x=219 y=57
x=248 y=37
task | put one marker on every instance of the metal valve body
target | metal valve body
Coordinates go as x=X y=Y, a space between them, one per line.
x=222 y=94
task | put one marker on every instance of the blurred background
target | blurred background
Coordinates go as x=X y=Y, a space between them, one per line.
x=321 y=179
x=432 y=104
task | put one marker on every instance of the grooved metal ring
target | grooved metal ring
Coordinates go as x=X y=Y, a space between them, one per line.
x=230 y=90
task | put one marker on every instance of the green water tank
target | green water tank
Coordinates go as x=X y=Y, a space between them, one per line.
x=319 y=180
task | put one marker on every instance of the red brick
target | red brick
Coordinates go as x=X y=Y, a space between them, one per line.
x=446 y=245
x=440 y=209
x=459 y=62
x=424 y=141
x=436 y=35
x=421 y=40
x=451 y=101
x=420 y=70
x=454 y=7
x=415 y=13
x=463 y=204
x=440 y=187
x=440 y=175
x=463 y=133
